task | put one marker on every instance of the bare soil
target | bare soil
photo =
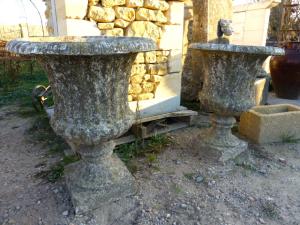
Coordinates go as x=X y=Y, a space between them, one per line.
x=182 y=186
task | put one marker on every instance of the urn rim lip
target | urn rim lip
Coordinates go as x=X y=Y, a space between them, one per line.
x=80 y=45
x=231 y=48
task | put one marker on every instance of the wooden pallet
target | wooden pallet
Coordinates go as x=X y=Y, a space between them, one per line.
x=159 y=124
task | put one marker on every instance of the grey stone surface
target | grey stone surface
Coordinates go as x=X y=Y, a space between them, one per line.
x=228 y=90
x=89 y=79
x=70 y=45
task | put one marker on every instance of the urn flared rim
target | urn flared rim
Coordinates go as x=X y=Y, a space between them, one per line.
x=230 y=48
x=85 y=45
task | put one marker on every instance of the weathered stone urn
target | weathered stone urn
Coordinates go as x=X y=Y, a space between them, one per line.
x=228 y=90
x=89 y=80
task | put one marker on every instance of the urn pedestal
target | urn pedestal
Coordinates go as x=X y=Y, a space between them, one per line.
x=228 y=90
x=89 y=79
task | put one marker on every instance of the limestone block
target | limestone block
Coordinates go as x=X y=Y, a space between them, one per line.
x=125 y=13
x=175 y=61
x=147 y=87
x=136 y=79
x=156 y=4
x=105 y=26
x=134 y=89
x=101 y=14
x=75 y=27
x=140 y=58
x=118 y=32
x=150 y=57
x=111 y=3
x=130 y=98
x=162 y=56
x=175 y=14
x=272 y=123
x=121 y=23
x=143 y=29
x=150 y=15
x=134 y=3
x=138 y=69
x=170 y=85
x=157 y=69
x=93 y=2
x=74 y=9
x=144 y=96
x=155 y=78
x=168 y=40
x=147 y=77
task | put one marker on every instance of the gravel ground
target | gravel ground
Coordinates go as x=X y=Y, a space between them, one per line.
x=182 y=186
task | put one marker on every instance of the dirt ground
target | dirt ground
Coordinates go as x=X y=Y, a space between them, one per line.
x=181 y=187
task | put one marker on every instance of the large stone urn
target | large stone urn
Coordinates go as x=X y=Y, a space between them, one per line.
x=228 y=90
x=89 y=79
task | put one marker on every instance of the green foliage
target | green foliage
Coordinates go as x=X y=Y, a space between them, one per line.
x=189 y=176
x=289 y=138
x=148 y=148
x=57 y=170
x=17 y=88
x=41 y=132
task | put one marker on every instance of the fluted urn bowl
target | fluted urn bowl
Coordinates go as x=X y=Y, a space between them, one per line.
x=228 y=89
x=89 y=78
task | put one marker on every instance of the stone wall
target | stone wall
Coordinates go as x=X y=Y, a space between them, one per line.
x=156 y=19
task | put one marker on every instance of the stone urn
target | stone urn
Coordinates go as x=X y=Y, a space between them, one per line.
x=228 y=90
x=89 y=79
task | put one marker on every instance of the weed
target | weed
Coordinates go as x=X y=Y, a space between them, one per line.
x=57 y=170
x=17 y=89
x=176 y=189
x=148 y=148
x=189 y=176
x=269 y=208
x=246 y=165
x=289 y=138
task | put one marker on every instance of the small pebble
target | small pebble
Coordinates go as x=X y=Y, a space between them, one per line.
x=168 y=215
x=282 y=160
x=183 y=206
x=261 y=220
x=65 y=213
x=199 y=179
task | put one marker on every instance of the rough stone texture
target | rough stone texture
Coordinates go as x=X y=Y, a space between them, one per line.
x=105 y=26
x=206 y=14
x=134 y=3
x=156 y=4
x=157 y=69
x=135 y=89
x=272 y=123
x=228 y=90
x=150 y=57
x=144 y=96
x=143 y=29
x=150 y=15
x=121 y=23
x=125 y=13
x=92 y=71
x=116 y=32
x=138 y=69
x=111 y=3
x=140 y=58
x=136 y=78
x=101 y=14
x=93 y=2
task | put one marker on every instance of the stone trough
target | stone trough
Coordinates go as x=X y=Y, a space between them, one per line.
x=273 y=123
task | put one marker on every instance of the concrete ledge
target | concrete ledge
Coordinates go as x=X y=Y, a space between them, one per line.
x=267 y=124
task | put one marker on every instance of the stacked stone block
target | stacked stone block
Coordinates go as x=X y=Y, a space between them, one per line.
x=159 y=20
